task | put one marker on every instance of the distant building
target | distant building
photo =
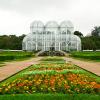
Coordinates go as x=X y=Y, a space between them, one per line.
x=51 y=36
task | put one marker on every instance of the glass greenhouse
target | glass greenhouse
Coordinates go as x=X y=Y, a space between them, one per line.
x=51 y=36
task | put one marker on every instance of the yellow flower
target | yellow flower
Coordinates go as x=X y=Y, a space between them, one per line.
x=6 y=89
x=9 y=87
x=3 y=85
x=26 y=88
x=25 y=81
x=0 y=89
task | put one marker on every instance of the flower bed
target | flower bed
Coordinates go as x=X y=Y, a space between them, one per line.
x=53 y=67
x=52 y=78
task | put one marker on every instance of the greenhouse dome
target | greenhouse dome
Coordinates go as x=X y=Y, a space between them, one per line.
x=52 y=24
x=51 y=35
x=51 y=27
x=67 y=26
x=36 y=26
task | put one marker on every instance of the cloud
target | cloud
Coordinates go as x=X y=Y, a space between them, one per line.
x=84 y=14
x=33 y=6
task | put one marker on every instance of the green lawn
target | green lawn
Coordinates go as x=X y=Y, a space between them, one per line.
x=10 y=55
x=93 y=56
x=50 y=97
x=54 y=59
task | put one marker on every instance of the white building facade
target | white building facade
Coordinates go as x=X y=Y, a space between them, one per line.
x=51 y=36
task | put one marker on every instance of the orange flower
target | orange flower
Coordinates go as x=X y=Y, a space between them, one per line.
x=46 y=82
x=20 y=84
x=97 y=86
x=66 y=86
x=93 y=83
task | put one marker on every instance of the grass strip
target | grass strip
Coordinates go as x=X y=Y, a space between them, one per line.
x=50 y=97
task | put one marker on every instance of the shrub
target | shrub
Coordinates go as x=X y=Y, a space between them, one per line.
x=86 y=55
x=14 y=55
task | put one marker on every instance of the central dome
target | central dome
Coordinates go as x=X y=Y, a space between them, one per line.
x=37 y=24
x=67 y=24
x=52 y=24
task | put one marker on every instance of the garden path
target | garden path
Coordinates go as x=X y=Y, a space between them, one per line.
x=13 y=67
x=93 y=67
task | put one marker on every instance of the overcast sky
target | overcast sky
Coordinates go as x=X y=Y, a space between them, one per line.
x=16 y=15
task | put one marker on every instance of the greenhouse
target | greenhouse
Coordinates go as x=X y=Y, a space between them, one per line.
x=44 y=37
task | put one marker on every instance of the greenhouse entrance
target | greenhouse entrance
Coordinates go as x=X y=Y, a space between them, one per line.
x=52 y=48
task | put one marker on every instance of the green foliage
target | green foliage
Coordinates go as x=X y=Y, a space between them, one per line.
x=96 y=31
x=12 y=42
x=55 y=60
x=53 y=72
x=87 y=55
x=14 y=55
x=78 y=33
x=50 y=97
x=52 y=59
x=91 y=43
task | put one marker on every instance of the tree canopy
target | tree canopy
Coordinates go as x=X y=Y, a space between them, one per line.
x=96 y=31
x=78 y=33
x=11 y=42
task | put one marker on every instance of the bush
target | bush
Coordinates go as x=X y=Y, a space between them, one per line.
x=86 y=55
x=54 y=53
x=14 y=55
x=3 y=58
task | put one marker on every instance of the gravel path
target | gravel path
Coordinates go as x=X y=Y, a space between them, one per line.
x=11 y=68
x=93 y=67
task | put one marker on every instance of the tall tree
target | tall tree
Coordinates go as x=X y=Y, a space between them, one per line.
x=78 y=33
x=96 y=31
x=11 y=42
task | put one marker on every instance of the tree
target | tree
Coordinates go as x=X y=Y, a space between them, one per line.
x=78 y=34
x=96 y=31
x=91 y=43
x=11 y=42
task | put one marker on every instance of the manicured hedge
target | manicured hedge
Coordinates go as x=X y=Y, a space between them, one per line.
x=3 y=58
x=87 y=55
x=14 y=55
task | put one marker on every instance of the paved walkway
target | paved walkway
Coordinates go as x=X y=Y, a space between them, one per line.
x=11 y=68
x=93 y=67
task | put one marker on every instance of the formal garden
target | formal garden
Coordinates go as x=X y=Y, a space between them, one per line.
x=48 y=59
x=52 y=78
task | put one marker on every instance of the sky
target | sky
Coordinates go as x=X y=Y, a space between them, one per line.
x=16 y=15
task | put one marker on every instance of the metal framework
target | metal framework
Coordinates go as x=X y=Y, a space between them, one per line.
x=44 y=37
